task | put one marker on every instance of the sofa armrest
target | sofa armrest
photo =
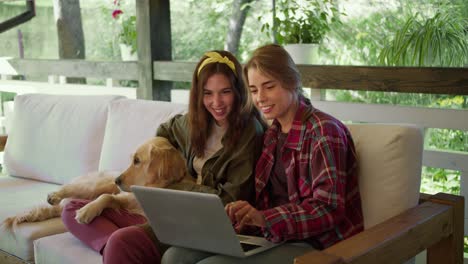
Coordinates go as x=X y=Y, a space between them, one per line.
x=3 y=140
x=435 y=225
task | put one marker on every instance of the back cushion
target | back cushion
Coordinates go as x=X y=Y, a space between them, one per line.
x=55 y=138
x=130 y=123
x=390 y=159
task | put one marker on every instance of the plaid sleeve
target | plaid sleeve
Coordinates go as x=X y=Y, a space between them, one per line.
x=321 y=205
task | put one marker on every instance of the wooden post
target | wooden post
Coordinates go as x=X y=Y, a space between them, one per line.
x=154 y=43
x=464 y=193
x=450 y=249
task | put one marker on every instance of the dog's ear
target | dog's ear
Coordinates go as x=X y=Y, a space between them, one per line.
x=178 y=165
x=156 y=167
x=167 y=166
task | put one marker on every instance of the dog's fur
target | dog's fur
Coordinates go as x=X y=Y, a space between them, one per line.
x=156 y=163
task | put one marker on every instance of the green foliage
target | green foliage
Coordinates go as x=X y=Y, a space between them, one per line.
x=204 y=28
x=449 y=139
x=437 y=41
x=435 y=180
x=128 y=33
x=302 y=21
x=359 y=40
x=364 y=38
x=465 y=247
x=206 y=25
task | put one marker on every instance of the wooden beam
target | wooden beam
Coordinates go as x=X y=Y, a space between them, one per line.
x=424 y=197
x=154 y=44
x=174 y=71
x=74 y=68
x=374 y=113
x=387 y=79
x=395 y=240
x=446 y=159
x=449 y=250
x=452 y=81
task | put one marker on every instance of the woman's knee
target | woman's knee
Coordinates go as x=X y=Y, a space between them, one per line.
x=130 y=244
x=183 y=256
x=69 y=210
x=124 y=236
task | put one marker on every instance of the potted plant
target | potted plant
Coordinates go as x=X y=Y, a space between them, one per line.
x=302 y=25
x=127 y=36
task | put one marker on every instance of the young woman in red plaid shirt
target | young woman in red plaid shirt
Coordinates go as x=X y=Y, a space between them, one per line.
x=306 y=179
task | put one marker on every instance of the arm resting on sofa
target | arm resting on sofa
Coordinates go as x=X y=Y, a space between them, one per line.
x=3 y=140
x=436 y=224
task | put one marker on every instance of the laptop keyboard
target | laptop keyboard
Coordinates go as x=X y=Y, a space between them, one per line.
x=248 y=247
x=242 y=238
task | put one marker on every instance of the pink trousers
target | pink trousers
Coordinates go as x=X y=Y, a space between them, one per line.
x=113 y=234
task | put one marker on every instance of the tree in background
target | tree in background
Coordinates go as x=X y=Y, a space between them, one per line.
x=240 y=9
x=70 y=32
x=207 y=27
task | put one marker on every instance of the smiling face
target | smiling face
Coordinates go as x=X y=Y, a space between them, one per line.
x=218 y=98
x=271 y=98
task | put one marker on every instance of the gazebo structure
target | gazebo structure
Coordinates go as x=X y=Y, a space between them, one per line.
x=437 y=224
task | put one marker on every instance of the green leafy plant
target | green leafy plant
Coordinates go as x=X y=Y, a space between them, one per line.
x=302 y=21
x=127 y=34
x=441 y=40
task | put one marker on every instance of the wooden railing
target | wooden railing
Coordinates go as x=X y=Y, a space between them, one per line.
x=450 y=81
x=56 y=70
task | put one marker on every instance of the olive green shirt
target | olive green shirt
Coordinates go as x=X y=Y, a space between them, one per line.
x=228 y=173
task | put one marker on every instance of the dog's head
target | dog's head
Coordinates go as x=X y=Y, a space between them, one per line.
x=156 y=163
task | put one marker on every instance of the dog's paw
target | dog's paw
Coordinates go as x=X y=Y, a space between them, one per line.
x=54 y=198
x=87 y=213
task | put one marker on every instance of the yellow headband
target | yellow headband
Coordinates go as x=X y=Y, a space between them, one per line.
x=216 y=57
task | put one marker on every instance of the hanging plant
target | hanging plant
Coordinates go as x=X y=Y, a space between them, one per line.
x=438 y=41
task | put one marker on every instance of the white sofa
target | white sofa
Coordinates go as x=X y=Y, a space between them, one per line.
x=55 y=138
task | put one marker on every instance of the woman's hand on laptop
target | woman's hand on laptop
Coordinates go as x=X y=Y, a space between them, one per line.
x=242 y=213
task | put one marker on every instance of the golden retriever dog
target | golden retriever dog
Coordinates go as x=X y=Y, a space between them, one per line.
x=156 y=163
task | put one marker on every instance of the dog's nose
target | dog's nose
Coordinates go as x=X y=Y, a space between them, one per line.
x=118 y=181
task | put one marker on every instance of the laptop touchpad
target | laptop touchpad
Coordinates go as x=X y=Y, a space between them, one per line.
x=247 y=247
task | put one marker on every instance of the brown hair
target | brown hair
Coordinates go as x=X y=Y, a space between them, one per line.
x=274 y=61
x=200 y=119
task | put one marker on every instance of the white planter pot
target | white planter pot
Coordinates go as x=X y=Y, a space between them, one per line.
x=126 y=53
x=303 y=53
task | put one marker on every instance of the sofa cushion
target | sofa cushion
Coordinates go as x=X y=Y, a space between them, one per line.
x=19 y=195
x=390 y=157
x=64 y=248
x=129 y=124
x=56 y=137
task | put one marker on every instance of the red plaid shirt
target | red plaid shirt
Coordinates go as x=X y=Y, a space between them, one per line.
x=321 y=169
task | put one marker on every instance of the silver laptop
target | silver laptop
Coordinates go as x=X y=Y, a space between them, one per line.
x=195 y=220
